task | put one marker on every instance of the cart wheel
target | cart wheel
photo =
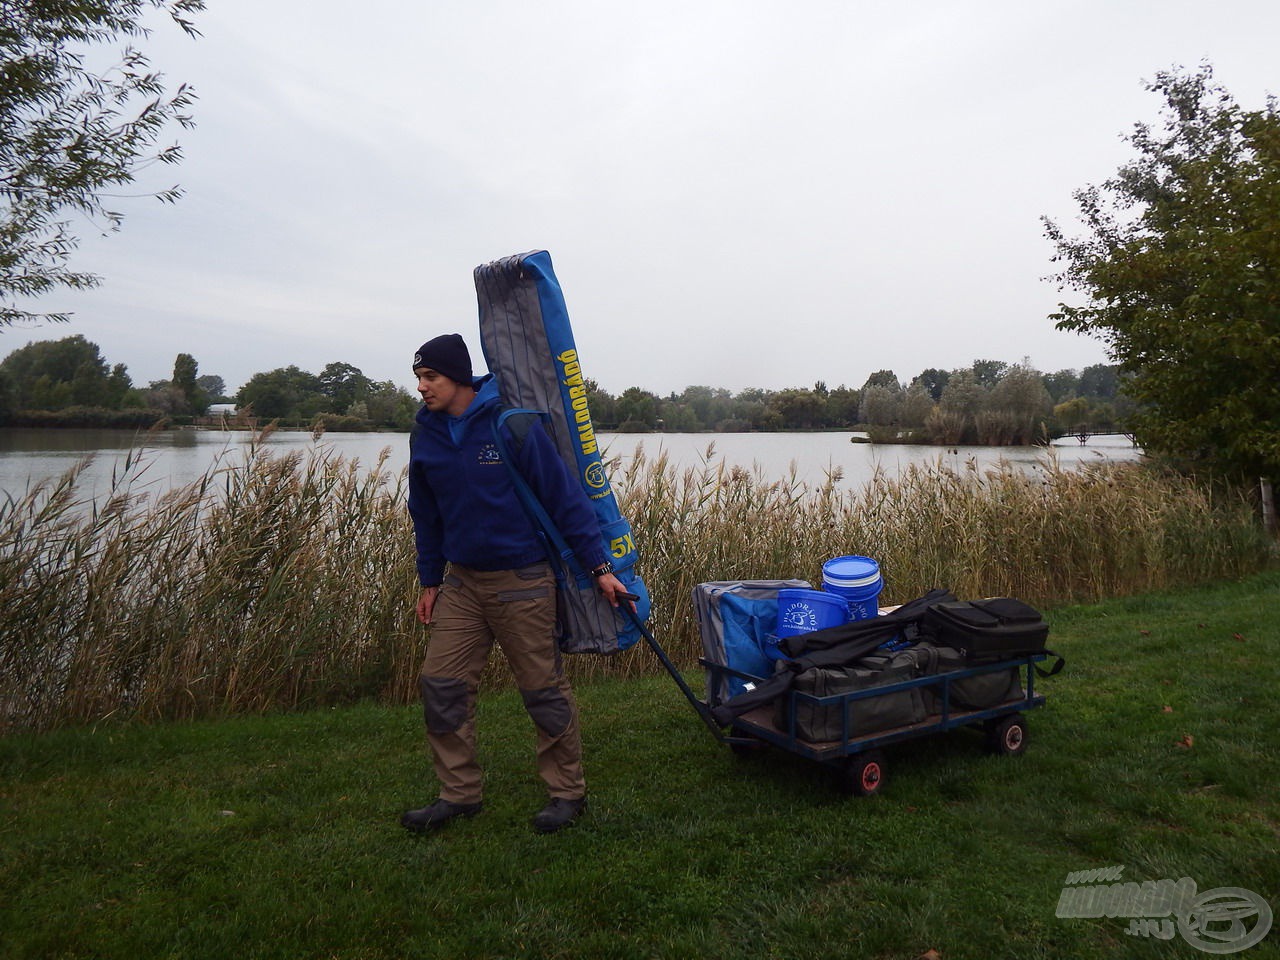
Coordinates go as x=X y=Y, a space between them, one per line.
x=864 y=774
x=1008 y=735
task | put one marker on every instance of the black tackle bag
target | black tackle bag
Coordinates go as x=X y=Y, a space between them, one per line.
x=849 y=719
x=999 y=628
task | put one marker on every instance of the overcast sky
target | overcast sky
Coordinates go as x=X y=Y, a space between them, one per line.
x=734 y=193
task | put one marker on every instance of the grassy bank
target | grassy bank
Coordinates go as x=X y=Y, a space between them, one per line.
x=277 y=837
x=288 y=581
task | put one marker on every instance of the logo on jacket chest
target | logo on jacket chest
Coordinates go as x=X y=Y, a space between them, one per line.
x=488 y=454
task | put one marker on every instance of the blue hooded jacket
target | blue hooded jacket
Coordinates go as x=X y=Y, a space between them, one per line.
x=464 y=505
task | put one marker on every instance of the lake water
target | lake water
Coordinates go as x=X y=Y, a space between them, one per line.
x=178 y=457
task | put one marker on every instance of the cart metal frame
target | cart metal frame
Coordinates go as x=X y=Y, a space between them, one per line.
x=758 y=725
x=859 y=757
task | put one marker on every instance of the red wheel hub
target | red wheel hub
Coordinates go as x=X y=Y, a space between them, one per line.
x=870 y=776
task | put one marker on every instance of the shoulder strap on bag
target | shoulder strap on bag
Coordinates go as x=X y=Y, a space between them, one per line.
x=519 y=422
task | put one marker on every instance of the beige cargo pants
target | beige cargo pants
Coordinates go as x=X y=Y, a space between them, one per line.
x=517 y=609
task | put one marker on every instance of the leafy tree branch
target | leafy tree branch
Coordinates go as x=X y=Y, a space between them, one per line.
x=69 y=135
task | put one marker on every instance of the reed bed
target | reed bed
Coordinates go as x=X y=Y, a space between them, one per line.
x=287 y=581
x=1049 y=536
x=276 y=581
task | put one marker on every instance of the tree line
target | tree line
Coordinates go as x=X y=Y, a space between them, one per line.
x=339 y=397
x=69 y=382
x=989 y=402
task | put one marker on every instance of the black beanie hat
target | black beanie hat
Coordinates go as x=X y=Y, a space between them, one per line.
x=446 y=354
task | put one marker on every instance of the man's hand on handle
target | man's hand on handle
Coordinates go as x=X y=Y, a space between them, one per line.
x=613 y=590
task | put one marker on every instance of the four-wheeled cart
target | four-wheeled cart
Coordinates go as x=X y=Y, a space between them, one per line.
x=857 y=755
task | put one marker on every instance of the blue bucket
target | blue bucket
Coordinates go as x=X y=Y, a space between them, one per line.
x=858 y=581
x=802 y=611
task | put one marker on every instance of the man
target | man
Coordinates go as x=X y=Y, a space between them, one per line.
x=498 y=585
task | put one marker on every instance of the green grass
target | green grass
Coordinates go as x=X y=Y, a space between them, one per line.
x=277 y=836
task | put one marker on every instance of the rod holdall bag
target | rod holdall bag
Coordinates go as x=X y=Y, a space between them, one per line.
x=529 y=347
x=841 y=645
x=998 y=628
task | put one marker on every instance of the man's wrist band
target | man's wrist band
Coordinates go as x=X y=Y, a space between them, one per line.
x=601 y=570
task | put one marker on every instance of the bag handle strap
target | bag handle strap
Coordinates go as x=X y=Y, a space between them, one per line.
x=1056 y=668
x=558 y=551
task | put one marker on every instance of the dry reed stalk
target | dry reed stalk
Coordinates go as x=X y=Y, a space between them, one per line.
x=282 y=581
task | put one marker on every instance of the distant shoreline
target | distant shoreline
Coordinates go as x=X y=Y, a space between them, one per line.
x=857 y=436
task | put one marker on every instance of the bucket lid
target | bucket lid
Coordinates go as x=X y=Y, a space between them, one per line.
x=851 y=571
